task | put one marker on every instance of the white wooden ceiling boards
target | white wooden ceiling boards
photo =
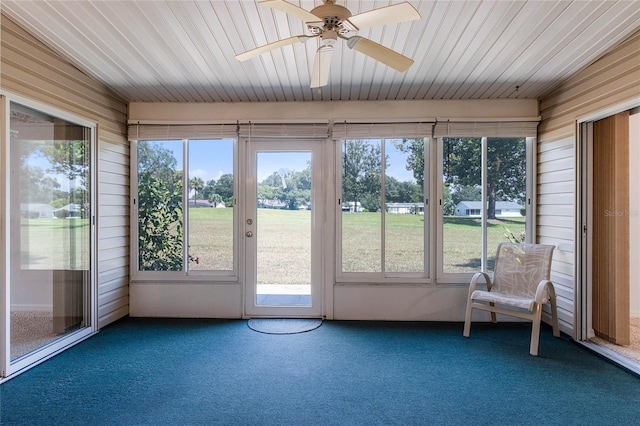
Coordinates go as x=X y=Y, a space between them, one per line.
x=170 y=51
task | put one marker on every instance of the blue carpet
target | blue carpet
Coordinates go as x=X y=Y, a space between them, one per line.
x=215 y=372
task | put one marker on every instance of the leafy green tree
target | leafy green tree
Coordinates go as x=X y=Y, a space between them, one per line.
x=160 y=209
x=402 y=192
x=291 y=188
x=506 y=167
x=69 y=158
x=224 y=187
x=196 y=184
x=160 y=224
x=362 y=173
x=415 y=159
x=209 y=190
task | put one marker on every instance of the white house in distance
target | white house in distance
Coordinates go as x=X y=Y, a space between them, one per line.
x=503 y=208
x=405 y=208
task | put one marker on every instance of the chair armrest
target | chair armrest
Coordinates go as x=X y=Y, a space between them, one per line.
x=540 y=291
x=474 y=281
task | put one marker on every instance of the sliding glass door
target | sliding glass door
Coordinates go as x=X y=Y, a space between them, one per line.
x=48 y=223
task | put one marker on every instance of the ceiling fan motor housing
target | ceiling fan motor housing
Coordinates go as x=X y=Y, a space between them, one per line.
x=334 y=18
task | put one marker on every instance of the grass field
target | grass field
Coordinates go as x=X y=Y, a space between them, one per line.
x=284 y=242
x=54 y=244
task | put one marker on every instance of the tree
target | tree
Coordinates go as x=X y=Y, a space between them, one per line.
x=197 y=184
x=506 y=167
x=402 y=192
x=224 y=187
x=415 y=160
x=160 y=224
x=160 y=214
x=209 y=190
x=157 y=159
x=362 y=173
x=291 y=188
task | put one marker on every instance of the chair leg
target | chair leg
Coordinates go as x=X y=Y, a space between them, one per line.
x=535 y=330
x=554 y=316
x=493 y=314
x=467 y=319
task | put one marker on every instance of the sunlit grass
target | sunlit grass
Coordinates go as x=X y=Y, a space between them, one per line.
x=48 y=243
x=284 y=242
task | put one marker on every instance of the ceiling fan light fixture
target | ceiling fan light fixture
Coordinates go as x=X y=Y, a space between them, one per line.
x=330 y=21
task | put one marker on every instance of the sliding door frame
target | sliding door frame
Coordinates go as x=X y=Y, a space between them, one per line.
x=90 y=308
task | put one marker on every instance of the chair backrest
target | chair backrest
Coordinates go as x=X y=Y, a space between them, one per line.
x=520 y=267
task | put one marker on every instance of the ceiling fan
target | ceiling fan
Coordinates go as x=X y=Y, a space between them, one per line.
x=330 y=21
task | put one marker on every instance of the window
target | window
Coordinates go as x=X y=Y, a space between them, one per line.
x=185 y=220
x=382 y=208
x=484 y=194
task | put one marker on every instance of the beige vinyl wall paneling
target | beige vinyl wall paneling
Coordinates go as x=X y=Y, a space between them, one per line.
x=32 y=70
x=610 y=81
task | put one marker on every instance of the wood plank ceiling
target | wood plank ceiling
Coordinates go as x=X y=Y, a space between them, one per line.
x=184 y=50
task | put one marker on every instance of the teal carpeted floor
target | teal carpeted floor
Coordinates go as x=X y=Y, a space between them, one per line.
x=210 y=372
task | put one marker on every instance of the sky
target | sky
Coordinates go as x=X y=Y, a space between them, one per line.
x=211 y=159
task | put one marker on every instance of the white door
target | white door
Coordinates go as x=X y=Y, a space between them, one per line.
x=282 y=229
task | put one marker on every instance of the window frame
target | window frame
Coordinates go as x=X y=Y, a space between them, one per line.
x=383 y=277
x=186 y=274
x=530 y=204
x=9 y=367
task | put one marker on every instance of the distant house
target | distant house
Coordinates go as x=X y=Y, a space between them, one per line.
x=69 y=211
x=36 y=210
x=474 y=208
x=405 y=208
x=206 y=204
x=272 y=204
x=352 y=207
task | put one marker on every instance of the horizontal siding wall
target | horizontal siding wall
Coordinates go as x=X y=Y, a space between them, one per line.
x=613 y=79
x=32 y=70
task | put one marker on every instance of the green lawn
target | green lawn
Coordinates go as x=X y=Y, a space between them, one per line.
x=54 y=244
x=284 y=242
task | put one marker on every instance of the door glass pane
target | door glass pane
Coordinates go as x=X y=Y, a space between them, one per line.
x=404 y=206
x=211 y=204
x=462 y=205
x=506 y=192
x=283 y=229
x=160 y=201
x=361 y=205
x=49 y=228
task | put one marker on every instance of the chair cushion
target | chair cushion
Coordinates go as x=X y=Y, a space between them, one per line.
x=503 y=299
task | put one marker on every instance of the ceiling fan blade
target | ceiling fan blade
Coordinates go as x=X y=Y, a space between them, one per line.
x=380 y=53
x=291 y=9
x=400 y=12
x=268 y=47
x=321 y=67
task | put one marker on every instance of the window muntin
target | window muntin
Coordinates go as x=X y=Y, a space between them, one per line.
x=207 y=192
x=470 y=232
x=382 y=215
